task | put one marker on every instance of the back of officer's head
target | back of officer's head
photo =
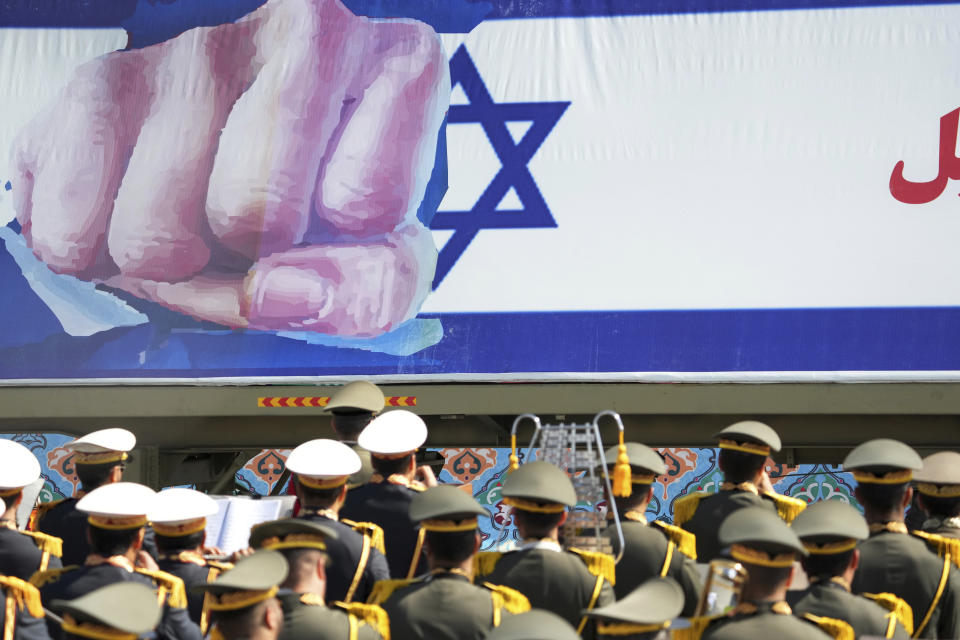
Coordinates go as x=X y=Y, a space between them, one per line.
x=93 y=476
x=254 y=621
x=113 y=542
x=312 y=498
x=175 y=544
x=533 y=524
x=882 y=497
x=451 y=548
x=739 y=466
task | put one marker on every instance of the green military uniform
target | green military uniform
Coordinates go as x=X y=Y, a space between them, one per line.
x=938 y=482
x=535 y=624
x=758 y=538
x=253 y=580
x=645 y=614
x=892 y=560
x=110 y=612
x=306 y=615
x=562 y=581
x=699 y=513
x=651 y=549
x=445 y=604
x=354 y=405
x=831 y=530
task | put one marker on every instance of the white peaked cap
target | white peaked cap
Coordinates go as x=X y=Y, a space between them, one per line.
x=18 y=466
x=113 y=439
x=323 y=459
x=175 y=506
x=119 y=499
x=394 y=432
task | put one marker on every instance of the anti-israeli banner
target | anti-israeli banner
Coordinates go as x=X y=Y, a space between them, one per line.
x=243 y=190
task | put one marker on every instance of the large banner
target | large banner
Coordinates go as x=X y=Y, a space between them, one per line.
x=465 y=190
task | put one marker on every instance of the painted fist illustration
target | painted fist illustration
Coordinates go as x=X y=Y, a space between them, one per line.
x=262 y=174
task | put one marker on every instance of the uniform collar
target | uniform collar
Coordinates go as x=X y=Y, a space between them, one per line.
x=931 y=524
x=752 y=608
x=837 y=582
x=123 y=562
x=635 y=515
x=398 y=479
x=330 y=514
x=889 y=527
x=455 y=573
x=749 y=487
x=548 y=544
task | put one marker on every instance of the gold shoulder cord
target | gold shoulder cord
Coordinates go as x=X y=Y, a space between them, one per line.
x=936 y=597
x=416 y=553
x=593 y=601
x=668 y=559
x=361 y=567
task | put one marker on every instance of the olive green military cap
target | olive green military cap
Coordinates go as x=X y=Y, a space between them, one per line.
x=830 y=527
x=446 y=508
x=651 y=605
x=357 y=396
x=539 y=482
x=883 y=461
x=644 y=461
x=127 y=607
x=291 y=533
x=940 y=475
x=749 y=436
x=251 y=581
x=536 y=624
x=758 y=536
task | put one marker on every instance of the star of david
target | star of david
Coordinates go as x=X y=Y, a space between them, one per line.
x=514 y=157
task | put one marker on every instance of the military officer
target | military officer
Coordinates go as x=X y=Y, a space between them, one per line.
x=938 y=490
x=645 y=614
x=650 y=549
x=392 y=440
x=118 y=610
x=21 y=602
x=179 y=519
x=892 y=560
x=21 y=552
x=744 y=448
x=830 y=531
x=564 y=582
x=445 y=604
x=304 y=544
x=767 y=548
x=352 y=408
x=321 y=470
x=116 y=516
x=536 y=624
x=99 y=459
x=243 y=601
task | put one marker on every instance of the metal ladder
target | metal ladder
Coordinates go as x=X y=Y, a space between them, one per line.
x=578 y=450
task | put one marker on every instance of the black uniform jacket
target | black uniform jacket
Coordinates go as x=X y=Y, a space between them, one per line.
x=307 y=618
x=21 y=557
x=445 y=606
x=902 y=564
x=647 y=554
x=764 y=623
x=72 y=582
x=712 y=510
x=833 y=600
x=347 y=560
x=552 y=579
x=388 y=505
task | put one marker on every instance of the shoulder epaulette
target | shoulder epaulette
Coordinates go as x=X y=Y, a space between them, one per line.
x=895 y=605
x=942 y=544
x=369 y=529
x=838 y=629
x=485 y=562
x=599 y=564
x=697 y=626
x=686 y=542
x=507 y=598
x=787 y=508
x=685 y=506
x=24 y=594
x=41 y=578
x=371 y=614
x=383 y=589
x=176 y=591
x=46 y=543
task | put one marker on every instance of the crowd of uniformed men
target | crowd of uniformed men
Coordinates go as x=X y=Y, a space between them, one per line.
x=377 y=550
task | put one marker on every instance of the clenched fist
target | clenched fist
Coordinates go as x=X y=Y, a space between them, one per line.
x=262 y=174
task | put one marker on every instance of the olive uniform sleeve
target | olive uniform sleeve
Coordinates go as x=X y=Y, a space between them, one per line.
x=177 y=625
x=689 y=579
